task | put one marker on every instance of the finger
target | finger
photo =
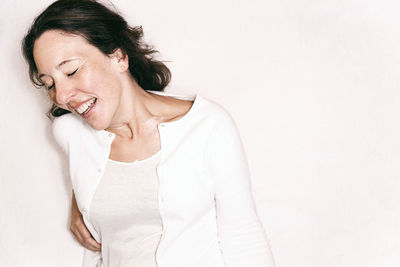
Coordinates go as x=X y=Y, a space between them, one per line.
x=92 y=244
x=88 y=240
x=88 y=243
x=78 y=230
x=83 y=235
x=77 y=235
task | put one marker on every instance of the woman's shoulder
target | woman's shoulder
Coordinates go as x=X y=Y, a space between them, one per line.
x=213 y=110
x=201 y=108
x=66 y=123
x=65 y=128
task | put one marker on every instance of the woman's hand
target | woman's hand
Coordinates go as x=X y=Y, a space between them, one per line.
x=78 y=228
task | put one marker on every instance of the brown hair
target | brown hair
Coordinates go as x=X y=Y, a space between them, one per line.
x=103 y=28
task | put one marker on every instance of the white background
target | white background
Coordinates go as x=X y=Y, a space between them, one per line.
x=313 y=87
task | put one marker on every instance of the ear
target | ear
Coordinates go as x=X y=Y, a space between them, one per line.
x=120 y=59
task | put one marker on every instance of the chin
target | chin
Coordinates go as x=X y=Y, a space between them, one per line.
x=97 y=125
x=99 y=122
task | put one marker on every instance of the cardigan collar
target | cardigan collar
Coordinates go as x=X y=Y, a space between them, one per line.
x=105 y=138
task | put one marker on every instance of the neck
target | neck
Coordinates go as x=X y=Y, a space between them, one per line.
x=138 y=112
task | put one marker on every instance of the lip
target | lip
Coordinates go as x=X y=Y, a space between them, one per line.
x=90 y=111
x=76 y=106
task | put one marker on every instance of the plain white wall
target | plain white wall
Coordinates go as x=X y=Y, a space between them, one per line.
x=313 y=87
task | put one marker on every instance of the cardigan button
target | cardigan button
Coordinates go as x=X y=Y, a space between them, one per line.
x=110 y=135
x=99 y=170
x=83 y=210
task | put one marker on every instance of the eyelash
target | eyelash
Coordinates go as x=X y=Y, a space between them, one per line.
x=72 y=73
x=69 y=75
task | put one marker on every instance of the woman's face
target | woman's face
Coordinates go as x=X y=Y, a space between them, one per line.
x=79 y=77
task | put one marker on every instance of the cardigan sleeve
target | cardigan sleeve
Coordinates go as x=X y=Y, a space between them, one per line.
x=242 y=238
x=64 y=128
x=60 y=132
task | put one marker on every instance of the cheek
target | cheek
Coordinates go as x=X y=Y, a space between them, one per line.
x=93 y=81
x=103 y=84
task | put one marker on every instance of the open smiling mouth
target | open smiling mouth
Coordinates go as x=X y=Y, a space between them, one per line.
x=86 y=107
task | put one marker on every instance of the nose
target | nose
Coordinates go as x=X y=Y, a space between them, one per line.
x=64 y=91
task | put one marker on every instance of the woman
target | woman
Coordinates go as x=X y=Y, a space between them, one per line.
x=159 y=179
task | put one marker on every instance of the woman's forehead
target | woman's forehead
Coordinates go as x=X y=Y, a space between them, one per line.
x=55 y=47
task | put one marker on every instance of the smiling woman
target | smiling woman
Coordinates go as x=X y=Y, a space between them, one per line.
x=79 y=77
x=107 y=31
x=158 y=179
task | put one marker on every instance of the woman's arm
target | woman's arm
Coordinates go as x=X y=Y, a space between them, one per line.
x=242 y=237
x=64 y=128
x=78 y=228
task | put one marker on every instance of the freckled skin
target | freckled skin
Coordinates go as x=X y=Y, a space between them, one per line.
x=97 y=76
x=122 y=106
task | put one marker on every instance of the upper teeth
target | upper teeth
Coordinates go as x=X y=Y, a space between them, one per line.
x=85 y=106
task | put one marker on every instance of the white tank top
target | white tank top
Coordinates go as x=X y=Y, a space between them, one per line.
x=125 y=213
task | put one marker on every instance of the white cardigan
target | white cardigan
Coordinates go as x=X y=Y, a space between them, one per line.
x=205 y=201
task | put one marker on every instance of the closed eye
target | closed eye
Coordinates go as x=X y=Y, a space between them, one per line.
x=72 y=73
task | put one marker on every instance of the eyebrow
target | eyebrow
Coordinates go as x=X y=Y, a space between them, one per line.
x=59 y=65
